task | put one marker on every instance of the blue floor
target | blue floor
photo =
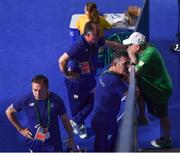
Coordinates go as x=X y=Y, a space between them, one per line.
x=35 y=33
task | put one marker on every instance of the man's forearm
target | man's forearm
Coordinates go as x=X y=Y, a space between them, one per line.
x=119 y=46
x=115 y=45
x=69 y=130
x=63 y=68
x=67 y=125
x=63 y=63
x=12 y=118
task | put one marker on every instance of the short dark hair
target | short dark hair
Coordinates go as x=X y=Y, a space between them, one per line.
x=40 y=78
x=89 y=27
x=117 y=54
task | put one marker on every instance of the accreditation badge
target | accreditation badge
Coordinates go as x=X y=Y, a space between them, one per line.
x=46 y=132
x=85 y=68
x=42 y=134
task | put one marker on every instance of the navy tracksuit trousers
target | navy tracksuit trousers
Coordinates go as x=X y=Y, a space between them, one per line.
x=81 y=101
x=106 y=131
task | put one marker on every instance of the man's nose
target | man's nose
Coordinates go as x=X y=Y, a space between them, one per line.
x=38 y=93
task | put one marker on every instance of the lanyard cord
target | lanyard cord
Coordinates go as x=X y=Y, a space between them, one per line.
x=40 y=120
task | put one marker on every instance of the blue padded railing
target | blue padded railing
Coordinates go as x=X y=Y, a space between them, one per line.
x=127 y=137
x=127 y=134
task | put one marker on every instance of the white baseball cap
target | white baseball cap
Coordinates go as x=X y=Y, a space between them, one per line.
x=135 y=38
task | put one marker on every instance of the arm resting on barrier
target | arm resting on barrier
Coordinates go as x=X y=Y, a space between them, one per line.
x=115 y=45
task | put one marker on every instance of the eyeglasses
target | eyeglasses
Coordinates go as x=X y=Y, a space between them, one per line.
x=92 y=33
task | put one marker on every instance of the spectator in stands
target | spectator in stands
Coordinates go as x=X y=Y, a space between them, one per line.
x=81 y=83
x=110 y=88
x=154 y=83
x=42 y=108
x=92 y=14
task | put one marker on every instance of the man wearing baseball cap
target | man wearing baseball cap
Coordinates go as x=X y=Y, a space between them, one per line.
x=153 y=81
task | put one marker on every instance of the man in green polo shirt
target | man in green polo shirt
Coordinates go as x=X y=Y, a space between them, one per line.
x=153 y=81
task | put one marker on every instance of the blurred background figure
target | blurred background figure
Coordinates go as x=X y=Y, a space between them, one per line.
x=92 y=14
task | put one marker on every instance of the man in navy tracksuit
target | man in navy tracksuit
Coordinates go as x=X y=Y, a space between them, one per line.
x=81 y=82
x=110 y=88
x=43 y=109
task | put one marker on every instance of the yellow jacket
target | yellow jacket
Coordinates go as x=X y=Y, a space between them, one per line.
x=83 y=19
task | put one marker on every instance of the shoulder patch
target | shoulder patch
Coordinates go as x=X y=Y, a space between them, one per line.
x=141 y=63
x=31 y=104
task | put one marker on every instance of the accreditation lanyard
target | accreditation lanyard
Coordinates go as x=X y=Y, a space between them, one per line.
x=40 y=120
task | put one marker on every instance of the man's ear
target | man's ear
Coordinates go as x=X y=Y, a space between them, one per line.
x=114 y=63
x=138 y=47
